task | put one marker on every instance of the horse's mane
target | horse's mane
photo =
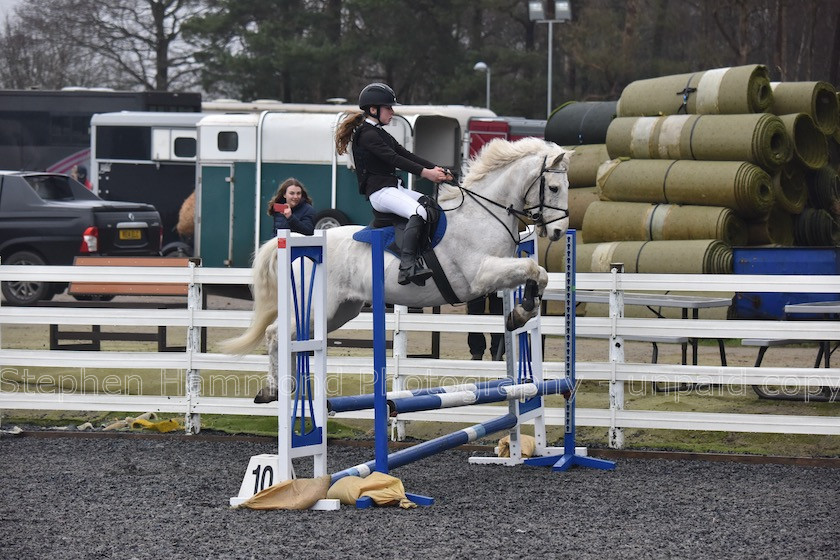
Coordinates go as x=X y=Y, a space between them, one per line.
x=496 y=154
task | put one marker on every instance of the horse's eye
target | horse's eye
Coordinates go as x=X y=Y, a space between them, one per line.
x=554 y=189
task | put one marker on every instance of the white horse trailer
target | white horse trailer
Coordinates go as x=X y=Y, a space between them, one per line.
x=154 y=157
x=243 y=158
x=146 y=157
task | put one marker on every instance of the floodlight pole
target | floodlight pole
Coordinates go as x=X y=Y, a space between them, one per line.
x=537 y=14
x=550 y=57
x=483 y=67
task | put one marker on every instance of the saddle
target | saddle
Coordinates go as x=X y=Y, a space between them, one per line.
x=393 y=226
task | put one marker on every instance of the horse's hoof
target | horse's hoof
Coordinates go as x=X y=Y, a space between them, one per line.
x=510 y=322
x=265 y=395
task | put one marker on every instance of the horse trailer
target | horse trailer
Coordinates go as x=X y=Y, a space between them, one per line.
x=162 y=158
x=48 y=130
x=147 y=157
x=243 y=158
x=481 y=130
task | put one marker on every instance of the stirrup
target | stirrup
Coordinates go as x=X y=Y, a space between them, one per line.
x=421 y=275
x=414 y=274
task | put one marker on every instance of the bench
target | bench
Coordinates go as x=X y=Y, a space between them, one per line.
x=100 y=294
x=763 y=344
x=823 y=353
x=653 y=340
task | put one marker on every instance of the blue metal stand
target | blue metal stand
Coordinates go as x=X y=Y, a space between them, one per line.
x=380 y=405
x=569 y=458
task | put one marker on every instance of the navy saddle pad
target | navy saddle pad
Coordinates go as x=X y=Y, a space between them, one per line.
x=364 y=235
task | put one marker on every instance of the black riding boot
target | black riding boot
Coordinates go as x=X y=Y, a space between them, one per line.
x=411 y=268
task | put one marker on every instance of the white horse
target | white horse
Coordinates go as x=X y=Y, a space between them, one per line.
x=506 y=182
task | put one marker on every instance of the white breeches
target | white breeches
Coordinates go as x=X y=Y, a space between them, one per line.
x=398 y=200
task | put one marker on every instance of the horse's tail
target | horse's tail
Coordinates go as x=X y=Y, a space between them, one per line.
x=265 y=302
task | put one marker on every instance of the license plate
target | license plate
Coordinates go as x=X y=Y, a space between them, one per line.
x=130 y=234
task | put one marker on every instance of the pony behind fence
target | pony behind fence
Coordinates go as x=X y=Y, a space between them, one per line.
x=508 y=182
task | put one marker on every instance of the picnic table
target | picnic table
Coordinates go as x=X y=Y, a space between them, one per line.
x=824 y=310
x=654 y=302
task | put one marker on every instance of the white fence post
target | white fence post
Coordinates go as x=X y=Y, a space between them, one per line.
x=400 y=350
x=192 y=420
x=616 y=434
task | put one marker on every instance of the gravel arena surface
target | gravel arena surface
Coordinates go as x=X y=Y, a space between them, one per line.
x=135 y=497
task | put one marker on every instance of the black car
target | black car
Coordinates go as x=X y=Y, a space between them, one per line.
x=49 y=218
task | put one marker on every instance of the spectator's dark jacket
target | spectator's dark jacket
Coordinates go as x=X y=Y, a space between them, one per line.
x=302 y=219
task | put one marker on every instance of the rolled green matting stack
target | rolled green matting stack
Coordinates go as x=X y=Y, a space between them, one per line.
x=639 y=221
x=816 y=228
x=816 y=99
x=775 y=229
x=693 y=163
x=735 y=90
x=810 y=146
x=824 y=190
x=579 y=201
x=584 y=163
x=580 y=122
x=836 y=134
x=702 y=256
x=741 y=186
x=760 y=139
x=790 y=188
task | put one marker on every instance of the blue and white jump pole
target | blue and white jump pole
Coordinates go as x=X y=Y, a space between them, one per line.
x=432 y=447
x=365 y=402
x=502 y=392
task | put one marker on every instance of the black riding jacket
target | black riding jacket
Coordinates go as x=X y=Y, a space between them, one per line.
x=377 y=156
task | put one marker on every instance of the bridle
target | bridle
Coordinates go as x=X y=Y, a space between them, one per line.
x=534 y=213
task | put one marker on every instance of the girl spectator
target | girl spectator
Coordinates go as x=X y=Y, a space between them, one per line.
x=292 y=208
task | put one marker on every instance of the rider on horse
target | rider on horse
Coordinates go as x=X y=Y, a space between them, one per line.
x=377 y=155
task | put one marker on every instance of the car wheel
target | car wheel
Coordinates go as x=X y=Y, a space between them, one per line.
x=330 y=218
x=177 y=249
x=25 y=292
x=179 y=253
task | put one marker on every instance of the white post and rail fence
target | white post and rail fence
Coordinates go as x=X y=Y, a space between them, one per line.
x=180 y=392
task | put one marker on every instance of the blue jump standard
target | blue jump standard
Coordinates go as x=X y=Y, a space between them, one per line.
x=569 y=459
x=481 y=396
x=366 y=402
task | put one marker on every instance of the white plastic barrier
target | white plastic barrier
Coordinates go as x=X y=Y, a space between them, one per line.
x=192 y=361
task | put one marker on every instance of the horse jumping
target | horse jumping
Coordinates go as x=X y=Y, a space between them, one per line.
x=507 y=182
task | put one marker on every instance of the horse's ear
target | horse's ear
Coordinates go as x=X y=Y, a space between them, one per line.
x=561 y=157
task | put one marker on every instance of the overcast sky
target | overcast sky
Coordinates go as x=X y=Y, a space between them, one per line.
x=6 y=8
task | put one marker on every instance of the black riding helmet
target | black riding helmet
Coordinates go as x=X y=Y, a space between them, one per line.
x=377 y=94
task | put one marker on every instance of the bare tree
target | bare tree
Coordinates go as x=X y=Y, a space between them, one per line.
x=781 y=38
x=137 y=42
x=36 y=56
x=143 y=40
